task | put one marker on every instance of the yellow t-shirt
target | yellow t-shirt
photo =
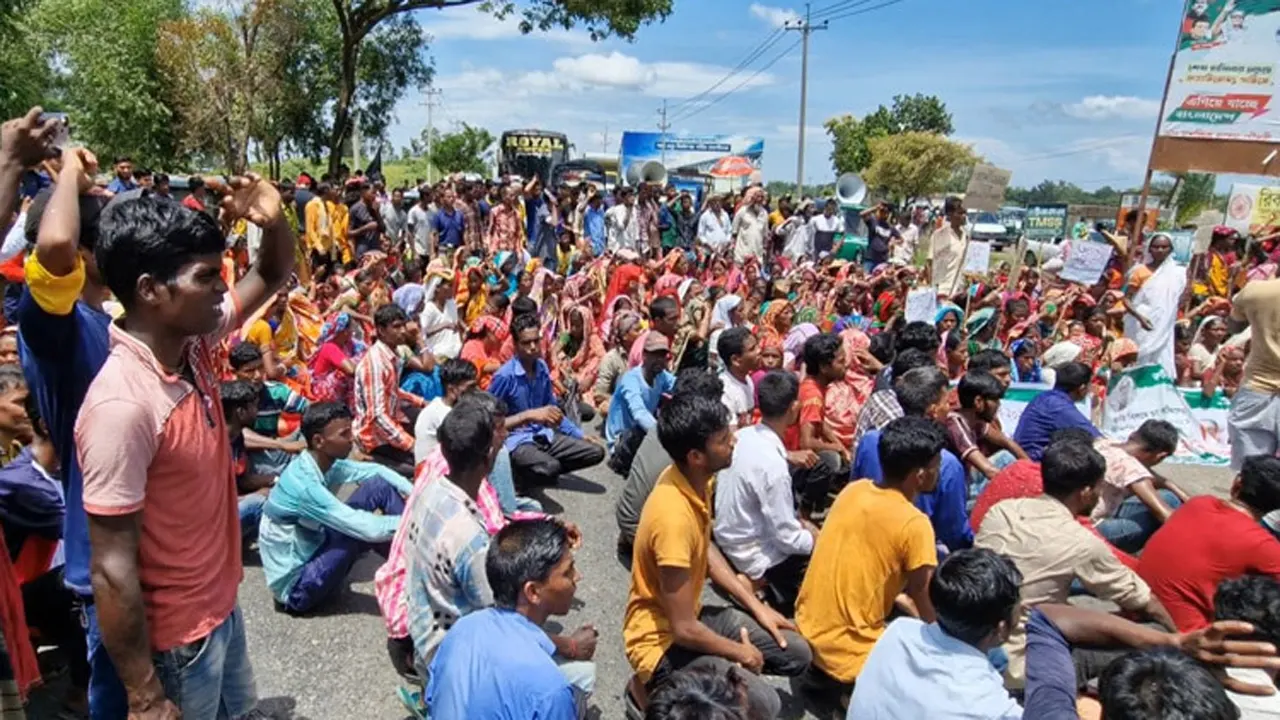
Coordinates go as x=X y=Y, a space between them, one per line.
x=55 y=294
x=1259 y=304
x=872 y=539
x=674 y=531
x=260 y=334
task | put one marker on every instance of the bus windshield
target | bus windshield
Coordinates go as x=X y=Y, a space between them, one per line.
x=532 y=153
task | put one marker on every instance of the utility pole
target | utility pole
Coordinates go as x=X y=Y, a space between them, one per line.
x=663 y=125
x=604 y=146
x=430 y=102
x=805 y=28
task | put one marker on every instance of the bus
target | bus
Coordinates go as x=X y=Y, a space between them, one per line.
x=532 y=153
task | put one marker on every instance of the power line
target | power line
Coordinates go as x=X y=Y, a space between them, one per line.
x=838 y=7
x=739 y=86
x=864 y=10
x=763 y=47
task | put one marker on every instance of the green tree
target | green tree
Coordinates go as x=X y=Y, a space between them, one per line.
x=851 y=136
x=23 y=75
x=105 y=75
x=461 y=151
x=914 y=164
x=1194 y=193
x=359 y=23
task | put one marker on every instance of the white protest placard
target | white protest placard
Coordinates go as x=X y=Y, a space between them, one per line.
x=986 y=188
x=922 y=304
x=1085 y=261
x=977 y=257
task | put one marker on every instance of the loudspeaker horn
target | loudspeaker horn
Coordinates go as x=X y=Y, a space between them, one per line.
x=851 y=189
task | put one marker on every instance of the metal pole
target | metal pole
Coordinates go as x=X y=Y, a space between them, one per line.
x=663 y=127
x=430 y=101
x=806 y=28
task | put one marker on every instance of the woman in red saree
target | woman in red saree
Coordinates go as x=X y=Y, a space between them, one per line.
x=845 y=398
x=579 y=350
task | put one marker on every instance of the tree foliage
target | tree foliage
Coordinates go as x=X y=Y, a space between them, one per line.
x=914 y=164
x=1195 y=194
x=461 y=151
x=104 y=74
x=851 y=136
x=23 y=74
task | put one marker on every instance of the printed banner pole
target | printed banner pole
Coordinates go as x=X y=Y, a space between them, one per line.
x=1135 y=236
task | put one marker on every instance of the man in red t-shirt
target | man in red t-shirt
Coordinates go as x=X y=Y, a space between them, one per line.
x=1210 y=540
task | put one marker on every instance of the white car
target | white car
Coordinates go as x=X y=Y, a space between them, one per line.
x=986 y=227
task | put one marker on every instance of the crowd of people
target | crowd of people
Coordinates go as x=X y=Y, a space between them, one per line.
x=186 y=381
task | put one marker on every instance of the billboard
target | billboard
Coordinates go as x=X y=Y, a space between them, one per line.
x=1045 y=222
x=1224 y=72
x=727 y=161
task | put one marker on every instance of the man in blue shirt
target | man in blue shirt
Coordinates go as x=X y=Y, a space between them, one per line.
x=62 y=341
x=448 y=223
x=922 y=392
x=496 y=663
x=123 y=181
x=947 y=669
x=544 y=444
x=635 y=400
x=1055 y=410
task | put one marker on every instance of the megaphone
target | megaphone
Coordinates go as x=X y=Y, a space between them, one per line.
x=851 y=189
x=650 y=171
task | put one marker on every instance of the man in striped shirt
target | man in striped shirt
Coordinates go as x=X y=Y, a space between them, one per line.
x=379 y=422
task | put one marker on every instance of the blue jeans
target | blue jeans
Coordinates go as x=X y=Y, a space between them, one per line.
x=251 y=514
x=504 y=484
x=978 y=481
x=210 y=678
x=1133 y=524
x=328 y=567
x=107 y=698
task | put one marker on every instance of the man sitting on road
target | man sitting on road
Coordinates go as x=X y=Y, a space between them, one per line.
x=544 y=444
x=308 y=538
x=498 y=662
x=1054 y=410
x=666 y=628
x=1051 y=549
x=756 y=524
x=980 y=394
x=1133 y=501
x=922 y=393
x=874 y=546
x=652 y=459
x=635 y=400
x=269 y=448
x=1210 y=540
x=941 y=670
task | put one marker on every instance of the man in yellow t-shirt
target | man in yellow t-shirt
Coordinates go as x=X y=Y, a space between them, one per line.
x=874 y=546
x=1254 y=422
x=666 y=629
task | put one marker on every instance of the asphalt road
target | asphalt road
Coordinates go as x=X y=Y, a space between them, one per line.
x=333 y=665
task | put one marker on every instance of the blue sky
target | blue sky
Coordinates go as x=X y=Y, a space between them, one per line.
x=1058 y=90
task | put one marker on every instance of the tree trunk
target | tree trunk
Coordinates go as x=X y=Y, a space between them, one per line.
x=342 y=108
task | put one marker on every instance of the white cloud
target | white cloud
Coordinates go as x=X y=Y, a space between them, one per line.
x=472 y=23
x=659 y=79
x=775 y=16
x=1108 y=107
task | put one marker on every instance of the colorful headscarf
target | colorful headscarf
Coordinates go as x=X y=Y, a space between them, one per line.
x=946 y=309
x=486 y=324
x=335 y=325
x=979 y=320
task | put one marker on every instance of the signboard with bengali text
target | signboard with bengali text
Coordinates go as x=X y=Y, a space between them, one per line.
x=1224 y=74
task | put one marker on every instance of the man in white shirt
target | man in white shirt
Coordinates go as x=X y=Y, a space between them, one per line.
x=903 y=252
x=824 y=228
x=797 y=234
x=456 y=376
x=419 y=221
x=622 y=222
x=947 y=247
x=394 y=217
x=713 y=225
x=739 y=351
x=750 y=226
x=756 y=524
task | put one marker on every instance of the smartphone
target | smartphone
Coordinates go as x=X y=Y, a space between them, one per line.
x=62 y=134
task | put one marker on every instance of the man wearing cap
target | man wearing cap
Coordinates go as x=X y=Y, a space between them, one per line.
x=635 y=400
